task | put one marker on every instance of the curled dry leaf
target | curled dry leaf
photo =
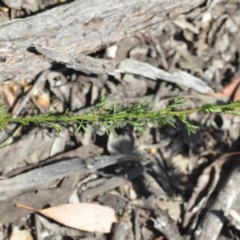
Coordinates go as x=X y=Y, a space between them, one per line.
x=83 y=216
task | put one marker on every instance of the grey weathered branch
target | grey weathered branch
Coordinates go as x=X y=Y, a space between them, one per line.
x=80 y=27
x=90 y=65
x=47 y=174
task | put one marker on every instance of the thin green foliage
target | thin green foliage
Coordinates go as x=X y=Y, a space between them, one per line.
x=3 y=116
x=111 y=115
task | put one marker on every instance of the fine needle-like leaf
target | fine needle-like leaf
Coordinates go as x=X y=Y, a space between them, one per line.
x=111 y=115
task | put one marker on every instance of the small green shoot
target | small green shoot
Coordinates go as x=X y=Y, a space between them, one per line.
x=111 y=116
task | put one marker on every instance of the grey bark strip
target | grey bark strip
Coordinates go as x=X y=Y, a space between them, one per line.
x=111 y=183
x=90 y=65
x=212 y=224
x=81 y=27
x=47 y=174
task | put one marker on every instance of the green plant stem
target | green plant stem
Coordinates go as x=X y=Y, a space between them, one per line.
x=137 y=115
x=116 y=116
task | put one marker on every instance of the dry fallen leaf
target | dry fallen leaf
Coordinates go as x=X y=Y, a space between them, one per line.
x=10 y=97
x=236 y=96
x=230 y=89
x=43 y=100
x=83 y=216
x=18 y=234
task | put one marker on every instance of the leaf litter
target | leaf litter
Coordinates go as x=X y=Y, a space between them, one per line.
x=83 y=216
x=167 y=185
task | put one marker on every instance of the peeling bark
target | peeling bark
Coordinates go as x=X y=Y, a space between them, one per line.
x=83 y=26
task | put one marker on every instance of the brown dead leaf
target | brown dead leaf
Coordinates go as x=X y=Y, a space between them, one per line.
x=37 y=199
x=10 y=97
x=27 y=88
x=230 y=89
x=18 y=234
x=236 y=96
x=83 y=216
x=16 y=87
x=43 y=100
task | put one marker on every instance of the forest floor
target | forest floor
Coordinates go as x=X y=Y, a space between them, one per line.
x=163 y=184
